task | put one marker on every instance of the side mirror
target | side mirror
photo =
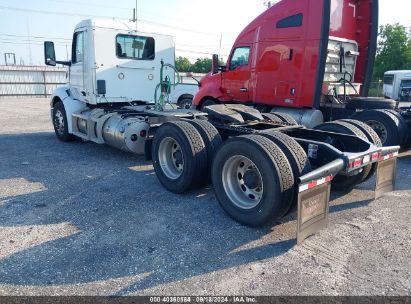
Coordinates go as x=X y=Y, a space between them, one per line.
x=49 y=53
x=214 y=64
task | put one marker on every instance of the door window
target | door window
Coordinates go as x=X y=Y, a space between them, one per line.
x=135 y=47
x=240 y=57
x=78 y=47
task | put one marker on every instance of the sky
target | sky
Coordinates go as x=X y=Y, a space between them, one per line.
x=198 y=26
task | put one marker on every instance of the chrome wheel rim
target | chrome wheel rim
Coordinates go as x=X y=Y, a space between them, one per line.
x=187 y=105
x=171 y=158
x=59 y=122
x=242 y=182
x=380 y=129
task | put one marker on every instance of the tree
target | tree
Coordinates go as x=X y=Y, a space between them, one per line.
x=183 y=64
x=202 y=65
x=394 y=50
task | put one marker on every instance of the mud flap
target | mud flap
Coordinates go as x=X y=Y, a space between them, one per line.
x=313 y=206
x=386 y=174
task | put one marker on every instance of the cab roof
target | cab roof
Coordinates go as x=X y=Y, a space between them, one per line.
x=111 y=24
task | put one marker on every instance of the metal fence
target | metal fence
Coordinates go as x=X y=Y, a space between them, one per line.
x=34 y=81
x=376 y=89
x=39 y=81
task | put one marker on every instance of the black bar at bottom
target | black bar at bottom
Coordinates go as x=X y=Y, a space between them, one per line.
x=207 y=299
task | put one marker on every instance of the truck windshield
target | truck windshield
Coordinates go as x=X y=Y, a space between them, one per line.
x=406 y=83
x=135 y=47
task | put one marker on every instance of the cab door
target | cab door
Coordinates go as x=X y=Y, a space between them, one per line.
x=236 y=81
x=77 y=66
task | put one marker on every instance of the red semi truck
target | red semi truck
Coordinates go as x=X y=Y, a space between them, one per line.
x=311 y=59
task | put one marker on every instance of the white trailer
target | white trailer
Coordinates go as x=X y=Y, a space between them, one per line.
x=397 y=85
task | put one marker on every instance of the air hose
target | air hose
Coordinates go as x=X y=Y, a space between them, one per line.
x=165 y=86
x=344 y=81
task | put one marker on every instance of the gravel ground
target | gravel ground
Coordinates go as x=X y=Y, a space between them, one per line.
x=84 y=219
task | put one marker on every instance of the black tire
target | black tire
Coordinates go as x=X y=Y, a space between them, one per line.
x=60 y=123
x=339 y=126
x=206 y=103
x=185 y=103
x=212 y=141
x=403 y=125
x=191 y=150
x=372 y=137
x=385 y=124
x=274 y=169
x=368 y=103
x=343 y=182
x=273 y=118
x=285 y=118
x=300 y=164
x=263 y=109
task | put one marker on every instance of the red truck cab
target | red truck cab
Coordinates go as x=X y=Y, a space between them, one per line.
x=294 y=53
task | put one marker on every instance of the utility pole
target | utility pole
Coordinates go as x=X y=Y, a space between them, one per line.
x=29 y=42
x=135 y=15
x=67 y=53
x=221 y=40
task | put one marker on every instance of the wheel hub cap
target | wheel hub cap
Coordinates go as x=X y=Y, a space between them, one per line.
x=171 y=158
x=251 y=179
x=380 y=129
x=242 y=182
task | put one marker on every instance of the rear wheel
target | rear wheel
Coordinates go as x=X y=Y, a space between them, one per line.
x=252 y=179
x=212 y=141
x=367 y=130
x=372 y=137
x=285 y=118
x=272 y=118
x=179 y=157
x=344 y=182
x=402 y=123
x=206 y=103
x=185 y=103
x=60 y=123
x=296 y=156
x=385 y=124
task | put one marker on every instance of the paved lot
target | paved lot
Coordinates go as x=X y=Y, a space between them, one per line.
x=84 y=219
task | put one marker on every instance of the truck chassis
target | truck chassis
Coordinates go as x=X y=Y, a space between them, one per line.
x=261 y=167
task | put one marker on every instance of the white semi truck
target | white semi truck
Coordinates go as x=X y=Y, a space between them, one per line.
x=262 y=165
x=110 y=64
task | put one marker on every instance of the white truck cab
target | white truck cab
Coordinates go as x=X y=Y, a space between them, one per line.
x=112 y=63
x=397 y=85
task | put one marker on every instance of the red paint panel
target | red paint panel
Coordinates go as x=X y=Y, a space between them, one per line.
x=343 y=22
x=283 y=61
